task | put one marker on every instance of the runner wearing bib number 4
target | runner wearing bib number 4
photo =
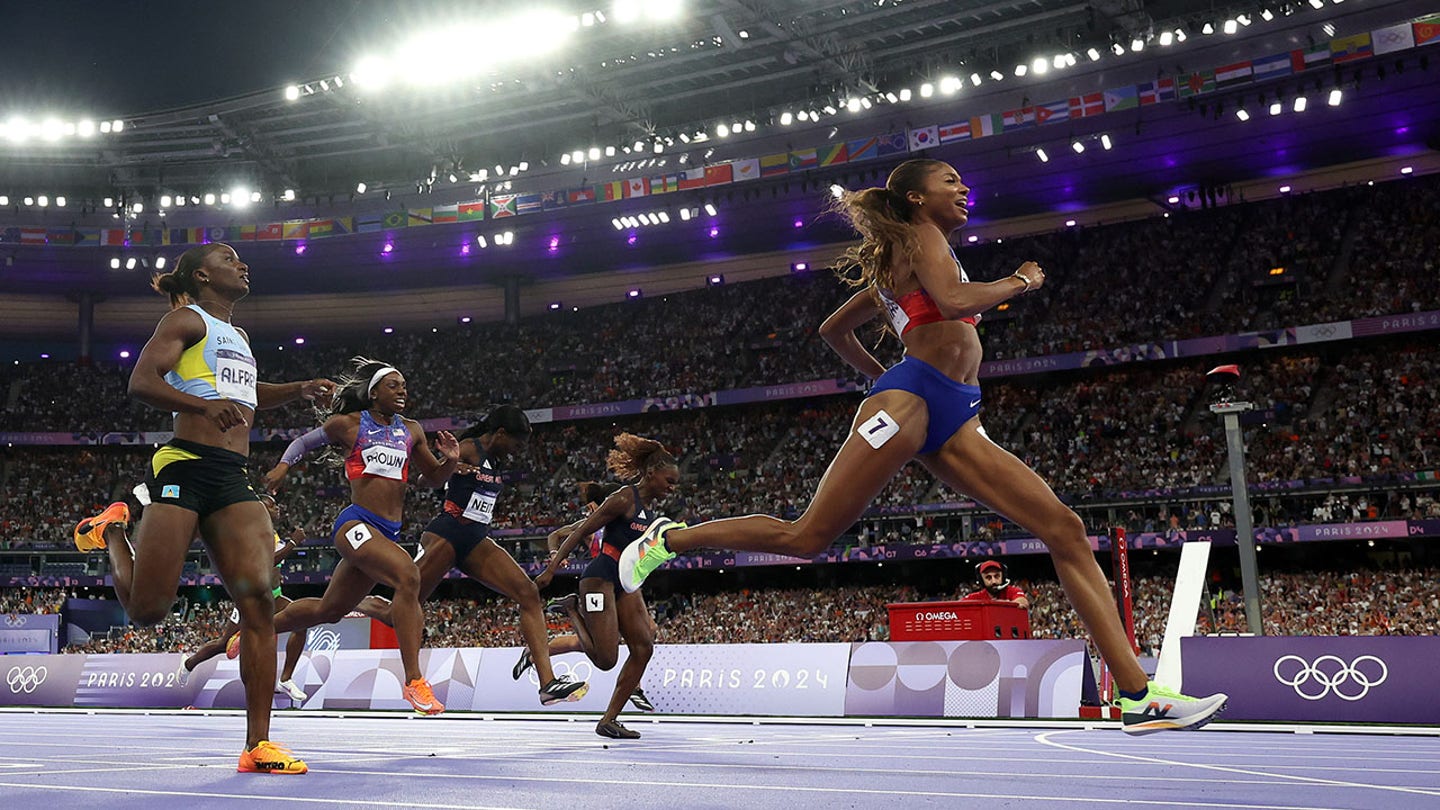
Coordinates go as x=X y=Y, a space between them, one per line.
x=459 y=537
x=381 y=444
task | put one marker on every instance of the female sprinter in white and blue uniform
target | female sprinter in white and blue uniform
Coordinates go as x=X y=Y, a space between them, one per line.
x=925 y=408
x=607 y=611
x=382 y=443
x=199 y=366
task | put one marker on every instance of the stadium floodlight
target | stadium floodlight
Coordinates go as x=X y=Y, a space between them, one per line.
x=104 y=127
x=1093 y=54
x=292 y=92
x=166 y=200
x=710 y=209
x=138 y=208
x=1242 y=114
x=1335 y=95
x=1040 y=66
x=42 y=200
x=159 y=262
x=1105 y=142
x=360 y=188
x=86 y=128
x=289 y=195
x=1040 y=153
x=117 y=125
x=786 y=118
x=209 y=199
x=130 y=263
x=1300 y=103
x=1166 y=39
x=60 y=202
x=1021 y=70
x=115 y=263
x=927 y=90
x=905 y=94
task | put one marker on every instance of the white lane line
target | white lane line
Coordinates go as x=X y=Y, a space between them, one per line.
x=1044 y=738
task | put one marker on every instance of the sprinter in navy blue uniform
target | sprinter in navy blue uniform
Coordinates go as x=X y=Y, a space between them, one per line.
x=605 y=611
x=459 y=537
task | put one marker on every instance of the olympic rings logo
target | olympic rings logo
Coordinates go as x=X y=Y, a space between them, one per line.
x=26 y=679
x=1330 y=674
x=14 y=620
x=580 y=670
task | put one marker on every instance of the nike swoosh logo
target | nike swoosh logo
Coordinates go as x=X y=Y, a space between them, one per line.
x=976 y=402
x=424 y=706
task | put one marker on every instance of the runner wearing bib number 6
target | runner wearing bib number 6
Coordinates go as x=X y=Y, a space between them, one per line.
x=381 y=444
x=459 y=537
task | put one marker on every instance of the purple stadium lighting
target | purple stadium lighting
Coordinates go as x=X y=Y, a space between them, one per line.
x=632 y=240
x=1069 y=223
x=973 y=239
x=716 y=280
x=799 y=267
x=44 y=355
x=714 y=232
x=1407 y=169
x=388 y=248
x=1172 y=199
x=299 y=341
x=389 y=330
x=464 y=318
x=300 y=249
x=465 y=249
x=1284 y=189
x=124 y=354
x=633 y=294
x=554 y=243
x=554 y=306
x=799 y=223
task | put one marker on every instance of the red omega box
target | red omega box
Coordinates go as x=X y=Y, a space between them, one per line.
x=957 y=621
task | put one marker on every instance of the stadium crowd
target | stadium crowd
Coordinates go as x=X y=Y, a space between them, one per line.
x=1347 y=253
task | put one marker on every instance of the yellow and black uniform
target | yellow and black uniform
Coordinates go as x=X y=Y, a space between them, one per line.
x=200 y=477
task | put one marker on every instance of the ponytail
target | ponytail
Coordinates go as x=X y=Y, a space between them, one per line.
x=180 y=283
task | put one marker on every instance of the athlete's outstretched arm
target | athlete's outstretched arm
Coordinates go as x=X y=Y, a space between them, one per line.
x=617 y=505
x=273 y=395
x=934 y=268
x=433 y=472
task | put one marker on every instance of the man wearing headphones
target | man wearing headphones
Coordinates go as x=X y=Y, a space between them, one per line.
x=995 y=586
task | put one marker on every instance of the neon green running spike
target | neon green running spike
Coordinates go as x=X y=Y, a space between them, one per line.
x=640 y=559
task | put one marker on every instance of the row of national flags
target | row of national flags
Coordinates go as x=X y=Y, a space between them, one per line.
x=495 y=206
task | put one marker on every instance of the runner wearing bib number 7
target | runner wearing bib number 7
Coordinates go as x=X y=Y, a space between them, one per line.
x=381 y=445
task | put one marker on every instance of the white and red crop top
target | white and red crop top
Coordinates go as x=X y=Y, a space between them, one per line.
x=380 y=451
x=917 y=308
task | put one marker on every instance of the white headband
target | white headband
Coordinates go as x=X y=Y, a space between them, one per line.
x=379 y=375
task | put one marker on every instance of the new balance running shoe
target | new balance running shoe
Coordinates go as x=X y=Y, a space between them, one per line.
x=523 y=664
x=640 y=559
x=182 y=672
x=616 y=731
x=291 y=690
x=90 y=532
x=1164 y=709
x=640 y=702
x=232 y=647
x=268 y=757
x=418 y=693
x=562 y=690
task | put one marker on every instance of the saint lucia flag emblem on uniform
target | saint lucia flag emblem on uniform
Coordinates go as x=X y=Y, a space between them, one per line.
x=170 y=491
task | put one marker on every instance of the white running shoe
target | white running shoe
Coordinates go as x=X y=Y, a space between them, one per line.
x=289 y=689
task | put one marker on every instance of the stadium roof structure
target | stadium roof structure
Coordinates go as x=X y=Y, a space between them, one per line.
x=404 y=124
